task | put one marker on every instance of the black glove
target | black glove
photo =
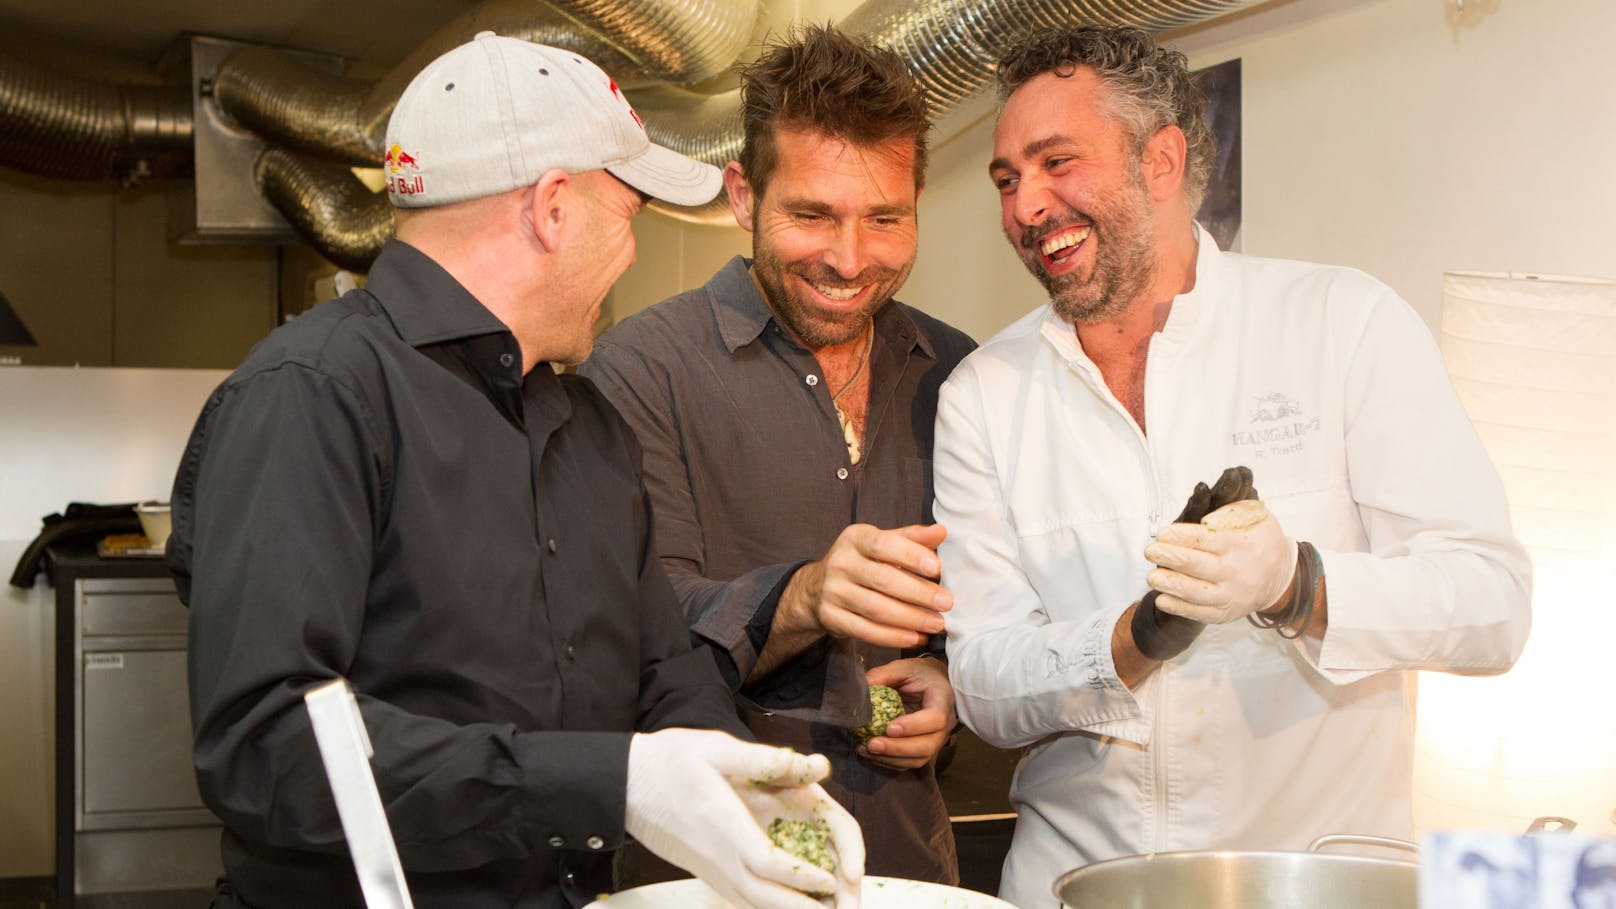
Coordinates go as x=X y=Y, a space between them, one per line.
x=1162 y=635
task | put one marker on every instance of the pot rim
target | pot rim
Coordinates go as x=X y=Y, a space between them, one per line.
x=1191 y=855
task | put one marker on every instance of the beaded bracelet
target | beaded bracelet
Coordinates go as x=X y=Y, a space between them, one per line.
x=1293 y=621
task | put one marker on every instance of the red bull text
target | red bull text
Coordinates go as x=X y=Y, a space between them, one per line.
x=397 y=161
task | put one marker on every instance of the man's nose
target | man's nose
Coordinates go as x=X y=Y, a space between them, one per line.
x=1033 y=200
x=847 y=253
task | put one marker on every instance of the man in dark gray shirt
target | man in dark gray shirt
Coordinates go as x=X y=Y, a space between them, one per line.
x=786 y=410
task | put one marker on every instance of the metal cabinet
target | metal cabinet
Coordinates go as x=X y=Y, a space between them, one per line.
x=129 y=817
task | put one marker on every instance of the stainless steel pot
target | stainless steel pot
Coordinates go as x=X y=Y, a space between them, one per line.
x=1247 y=880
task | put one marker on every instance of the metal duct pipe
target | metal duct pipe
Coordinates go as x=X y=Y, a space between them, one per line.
x=681 y=41
x=289 y=103
x=953 y=46
x=61 y=126
x=951 y=43
x=640 y=42
x=339 y=215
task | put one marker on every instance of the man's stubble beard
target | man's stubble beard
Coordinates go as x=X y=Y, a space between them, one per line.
x=813 y=325
x=1123 y=265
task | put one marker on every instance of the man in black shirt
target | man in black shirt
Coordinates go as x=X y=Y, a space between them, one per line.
x=397 y=488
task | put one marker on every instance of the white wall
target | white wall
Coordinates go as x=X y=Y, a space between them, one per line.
x=66 y=435
x=1378 y=136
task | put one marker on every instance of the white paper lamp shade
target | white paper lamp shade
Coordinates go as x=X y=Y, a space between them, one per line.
x=1533 y=359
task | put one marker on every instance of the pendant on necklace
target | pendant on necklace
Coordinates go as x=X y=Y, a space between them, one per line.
x=853 y=450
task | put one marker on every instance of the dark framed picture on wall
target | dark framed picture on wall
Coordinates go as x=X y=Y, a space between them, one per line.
x=1220 y=210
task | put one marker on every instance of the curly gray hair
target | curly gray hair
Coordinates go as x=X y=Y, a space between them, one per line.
x=1149 y=86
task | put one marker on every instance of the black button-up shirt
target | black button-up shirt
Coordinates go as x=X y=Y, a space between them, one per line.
x=378 y=493
x=748 y=470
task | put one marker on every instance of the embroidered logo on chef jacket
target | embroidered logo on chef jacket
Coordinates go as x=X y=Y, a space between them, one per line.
x=1278 y=426
x=1274 y=406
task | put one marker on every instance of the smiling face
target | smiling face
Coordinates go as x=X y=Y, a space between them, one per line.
x=1072 y=196
x=834 y=234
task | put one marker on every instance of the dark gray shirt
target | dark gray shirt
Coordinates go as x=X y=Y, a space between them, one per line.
x=749 y=478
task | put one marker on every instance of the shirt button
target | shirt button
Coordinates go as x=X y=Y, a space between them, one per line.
x=811 y=379
x=572 y=652
x=506 y=359
x=550 y=544
x=841 y=473
x=595 y=842
x=556 y=842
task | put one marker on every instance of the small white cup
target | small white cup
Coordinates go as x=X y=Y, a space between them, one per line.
x=155 y=521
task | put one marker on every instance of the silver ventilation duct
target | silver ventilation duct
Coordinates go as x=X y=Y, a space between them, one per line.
x=953 y=46
x=640 y=42
x=55 y=125
x=319 y=115
x=288 y=103
x=328 y=205
x=654 y=45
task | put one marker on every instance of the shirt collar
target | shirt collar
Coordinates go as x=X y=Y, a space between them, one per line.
x=1187 y=307
x=743 y=315
x=425 y=303
x=737 y=305
x=428 y=307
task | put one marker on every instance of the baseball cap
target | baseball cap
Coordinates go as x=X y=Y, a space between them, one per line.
x=495 y=113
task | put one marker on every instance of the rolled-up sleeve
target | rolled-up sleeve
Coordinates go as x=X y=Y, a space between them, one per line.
x=1445 y=585
x=1018 y=675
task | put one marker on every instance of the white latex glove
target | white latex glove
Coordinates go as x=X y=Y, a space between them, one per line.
x=1235 y=562
x=703 y=800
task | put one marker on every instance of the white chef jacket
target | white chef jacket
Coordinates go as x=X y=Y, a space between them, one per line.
x=1331 y=389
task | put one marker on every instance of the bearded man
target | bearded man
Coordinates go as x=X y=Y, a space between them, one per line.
x=1092 y=626
x=786 y=411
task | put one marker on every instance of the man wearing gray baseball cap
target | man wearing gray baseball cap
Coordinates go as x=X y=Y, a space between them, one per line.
x=397 y=489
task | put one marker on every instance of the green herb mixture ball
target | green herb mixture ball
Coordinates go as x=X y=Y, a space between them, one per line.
x=886 y=705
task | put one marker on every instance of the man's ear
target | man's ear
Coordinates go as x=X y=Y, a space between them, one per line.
x=1164 y=160
x=739 y=191
x=548 y=201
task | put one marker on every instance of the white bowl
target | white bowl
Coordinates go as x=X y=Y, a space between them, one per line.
x=878 y=893
x=155 y=521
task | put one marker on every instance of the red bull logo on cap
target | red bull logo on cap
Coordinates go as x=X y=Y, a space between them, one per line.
x=397 y=161
x=618 y=93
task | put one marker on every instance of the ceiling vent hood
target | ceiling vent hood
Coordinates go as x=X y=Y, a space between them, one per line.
x=222 y=204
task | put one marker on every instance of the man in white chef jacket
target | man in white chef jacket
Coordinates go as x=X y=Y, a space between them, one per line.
x=1274 y=703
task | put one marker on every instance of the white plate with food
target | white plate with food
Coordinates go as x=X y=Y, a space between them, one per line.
x=878 y=893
